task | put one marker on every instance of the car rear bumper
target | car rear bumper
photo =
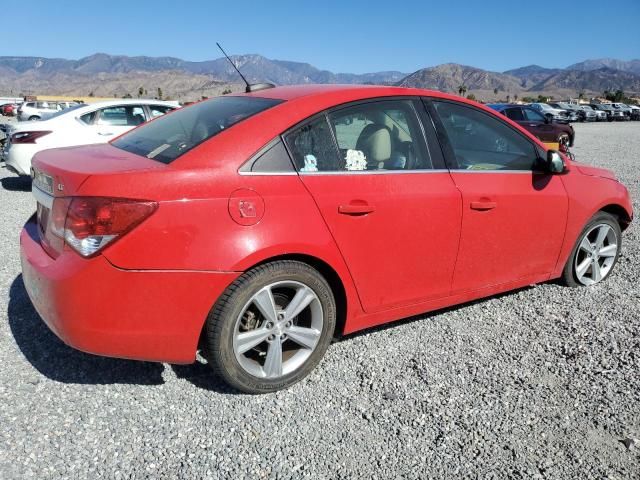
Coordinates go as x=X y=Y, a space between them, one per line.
x=98 y=308
x=18 y=157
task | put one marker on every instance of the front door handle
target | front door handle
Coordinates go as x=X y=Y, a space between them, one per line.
x=355 y=209
x=483 y=206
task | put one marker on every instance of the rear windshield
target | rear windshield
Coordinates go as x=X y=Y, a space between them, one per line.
x=170 y=136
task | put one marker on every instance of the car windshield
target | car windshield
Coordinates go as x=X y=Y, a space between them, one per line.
x=66 y=110
x=170 y=136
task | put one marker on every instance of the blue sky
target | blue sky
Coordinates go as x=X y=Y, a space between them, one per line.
x=341 y=36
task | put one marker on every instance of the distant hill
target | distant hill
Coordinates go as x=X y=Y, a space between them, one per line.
x=255 y=67
x=532 y=74
x=449 y=76
x=118 y=75
x=632 y=66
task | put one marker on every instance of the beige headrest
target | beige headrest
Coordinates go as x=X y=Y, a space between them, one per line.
x=375 y=142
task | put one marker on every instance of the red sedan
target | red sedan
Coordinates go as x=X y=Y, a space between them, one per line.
x=256 y=227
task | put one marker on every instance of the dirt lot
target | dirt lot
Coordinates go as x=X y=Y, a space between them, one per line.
x=539 y=383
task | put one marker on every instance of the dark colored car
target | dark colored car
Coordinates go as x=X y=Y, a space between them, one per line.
x=542 y=127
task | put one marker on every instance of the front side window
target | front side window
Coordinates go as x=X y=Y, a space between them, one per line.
x=532 y=116
x=122 y=116
x=482 y=142
x=159 y=110
x=167 y=138
x=373 y=136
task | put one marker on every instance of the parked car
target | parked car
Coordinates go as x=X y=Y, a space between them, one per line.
x=573 y=112
x=10 y=109
x=635 y=112
x=540 y=126
x=601 y=115
x=61 y=106
x=79 y=125
x=613 y=114
x=625 y=109
x=558 y=115
x=35 y=110
x=259 y=226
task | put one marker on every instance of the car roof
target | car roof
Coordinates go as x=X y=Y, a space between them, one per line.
x=333 y=91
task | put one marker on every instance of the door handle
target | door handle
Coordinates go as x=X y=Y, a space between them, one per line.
x=355 y=209
x=483 y=206
x=105 y=134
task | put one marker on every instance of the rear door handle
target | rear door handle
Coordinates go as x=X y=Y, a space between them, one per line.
x=355 y=209
x=483 y=205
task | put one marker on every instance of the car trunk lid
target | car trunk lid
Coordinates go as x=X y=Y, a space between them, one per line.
x=59 y=174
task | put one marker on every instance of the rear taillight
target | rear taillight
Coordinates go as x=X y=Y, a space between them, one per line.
x=28 y=137
x=88 y=224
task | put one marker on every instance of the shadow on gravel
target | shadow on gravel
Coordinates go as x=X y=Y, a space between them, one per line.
x=51 y=357
x=200 y=375
x=16 y=184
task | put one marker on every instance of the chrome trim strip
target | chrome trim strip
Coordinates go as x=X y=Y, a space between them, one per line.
x=528 y=172
x=259 y=174
x=42 y=198
x=376 y=172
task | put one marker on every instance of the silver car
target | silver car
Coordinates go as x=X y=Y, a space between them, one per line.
x=36 y=110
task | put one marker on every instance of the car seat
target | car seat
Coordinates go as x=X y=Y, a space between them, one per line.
x=375 y=142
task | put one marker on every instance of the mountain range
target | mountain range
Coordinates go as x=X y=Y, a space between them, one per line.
x=118 y=75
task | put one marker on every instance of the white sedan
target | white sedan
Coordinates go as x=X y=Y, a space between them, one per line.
x=80 y=125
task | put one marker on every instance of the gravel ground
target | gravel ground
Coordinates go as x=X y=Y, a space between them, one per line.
x=539 y=383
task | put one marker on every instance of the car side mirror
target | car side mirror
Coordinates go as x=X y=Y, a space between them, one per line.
x=555 y=162
x=548 y=118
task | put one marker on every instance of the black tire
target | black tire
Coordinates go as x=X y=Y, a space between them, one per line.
x=569 y=276
x=34 y=117
x=221 y=324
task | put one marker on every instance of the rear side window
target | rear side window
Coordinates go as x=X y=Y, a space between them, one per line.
x=167 y=138
x=482 y=142
x=371 y=136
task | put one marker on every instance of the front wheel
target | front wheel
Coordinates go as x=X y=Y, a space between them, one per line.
x=595 y=253
x=33 y=118
x=271 y=327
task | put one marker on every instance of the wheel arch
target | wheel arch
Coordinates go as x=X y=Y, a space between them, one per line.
x=329 y=273
x=621 y=214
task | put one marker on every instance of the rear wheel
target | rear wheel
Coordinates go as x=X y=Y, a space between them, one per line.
x=34 y=117
x=271 y=327
x=595 y=253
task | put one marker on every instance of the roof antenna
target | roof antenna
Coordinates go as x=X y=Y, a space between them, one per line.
x=250 y=88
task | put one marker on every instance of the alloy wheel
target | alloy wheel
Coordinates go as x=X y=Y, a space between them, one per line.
x=596 y=254
x=278 y=329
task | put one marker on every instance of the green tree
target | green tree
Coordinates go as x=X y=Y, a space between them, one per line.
x=515 y=97
x=495 y=91
x=471 y=96
x=462 y=90
x=508 y=98
x=140 y=92
x=159 y=93
x=127 y=95
x=91 y=94
x=226 y=91
x=580 y=95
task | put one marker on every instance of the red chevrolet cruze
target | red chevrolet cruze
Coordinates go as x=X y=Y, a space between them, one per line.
x=256 y=227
